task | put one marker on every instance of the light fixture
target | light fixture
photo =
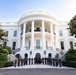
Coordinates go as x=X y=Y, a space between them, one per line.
x=44 y=52
x=30 y=52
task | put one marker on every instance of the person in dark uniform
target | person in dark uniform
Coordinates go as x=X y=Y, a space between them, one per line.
x=53 y=62
x=15 y=63
x=24 y=61
x=21 y=62
x=45 y=60
x=56 y=62
x=32 y=61
x=60 y=62
x=29 y=61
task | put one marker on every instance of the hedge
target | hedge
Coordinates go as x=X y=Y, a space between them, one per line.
x=69 y=63
x=6 y=64
x=71 y=55
x=3 y=57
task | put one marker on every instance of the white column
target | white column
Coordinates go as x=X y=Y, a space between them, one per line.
x=52 y=35
x=19 y=37
x=32 y=36
x=57 y=42
x=43 y=36
x=23 y=38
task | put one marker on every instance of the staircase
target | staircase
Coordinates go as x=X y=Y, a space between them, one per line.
x=11 y=57
x=63 y=56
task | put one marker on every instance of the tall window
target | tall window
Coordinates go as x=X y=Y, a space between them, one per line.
x=62 y=45
x=71 y=44
x=37 y=44
x=5 y=43
x=69 y=33
x=29 y=43
x=13 y=45
x=46 y=44
x=6 y=33
x=15 y=33
x=60 y=33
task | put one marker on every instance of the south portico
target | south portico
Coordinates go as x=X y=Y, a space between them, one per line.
x=37 y=35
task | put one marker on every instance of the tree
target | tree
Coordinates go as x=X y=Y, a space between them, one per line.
x=8 y=48
x=71 y=55
x=2 y=34
x=72 y=27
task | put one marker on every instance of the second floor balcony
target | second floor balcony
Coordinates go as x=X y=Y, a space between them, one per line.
x=36 y=30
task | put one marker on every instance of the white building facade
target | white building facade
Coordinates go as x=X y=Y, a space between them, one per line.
x=38 y=33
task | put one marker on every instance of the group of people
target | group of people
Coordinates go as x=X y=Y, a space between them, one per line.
x=31 y=61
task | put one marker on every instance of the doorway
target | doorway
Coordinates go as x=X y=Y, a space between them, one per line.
x=38 y=58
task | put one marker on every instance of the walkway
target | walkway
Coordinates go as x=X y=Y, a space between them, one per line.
x=37 y=66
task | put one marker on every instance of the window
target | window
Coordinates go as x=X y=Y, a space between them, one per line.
x=29 y=43
x=71 y=44
x=62 y=45
x=60 y=33
x=15 y=33
x=13 y=45
x=37 y=44
x=5 y=43
x=37 y=29
x=6 y=33
x=69 y=33
x=46 y=44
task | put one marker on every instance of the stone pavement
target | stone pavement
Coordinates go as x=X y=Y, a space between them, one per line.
x=37 y=66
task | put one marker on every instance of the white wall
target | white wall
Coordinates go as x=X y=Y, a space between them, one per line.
x=10 y=36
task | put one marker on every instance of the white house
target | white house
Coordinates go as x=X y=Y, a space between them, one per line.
x=38 y=33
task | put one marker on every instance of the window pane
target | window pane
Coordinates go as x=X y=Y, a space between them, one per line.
x=37 y=44
x=5 y=43
x=71 y=44
x=14 y=45
x=29 y=43
x=15 y=33
x=60 y=33
x=6 y=33
x=62 y=44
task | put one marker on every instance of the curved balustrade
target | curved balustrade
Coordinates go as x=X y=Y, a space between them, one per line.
x=38 y=47
x=49 y=48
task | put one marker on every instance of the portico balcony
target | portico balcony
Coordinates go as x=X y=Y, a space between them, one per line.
x=36 y=30
x=39 y=48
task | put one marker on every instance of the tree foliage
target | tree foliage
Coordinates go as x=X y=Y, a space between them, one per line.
x=71 y=55
x=72 y=26
x=2 y=34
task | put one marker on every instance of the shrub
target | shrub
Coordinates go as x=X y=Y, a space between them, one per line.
x=6 y=64
x=71 y=55
x=69 y=63
x=3 y=57
x=8 y=48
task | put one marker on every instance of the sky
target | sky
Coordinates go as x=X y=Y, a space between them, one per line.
x=12 y=10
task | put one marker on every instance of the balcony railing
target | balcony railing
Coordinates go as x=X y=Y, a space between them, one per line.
x=49 y=48
x=37 y=47
x=36 y=30
x=27 y=48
